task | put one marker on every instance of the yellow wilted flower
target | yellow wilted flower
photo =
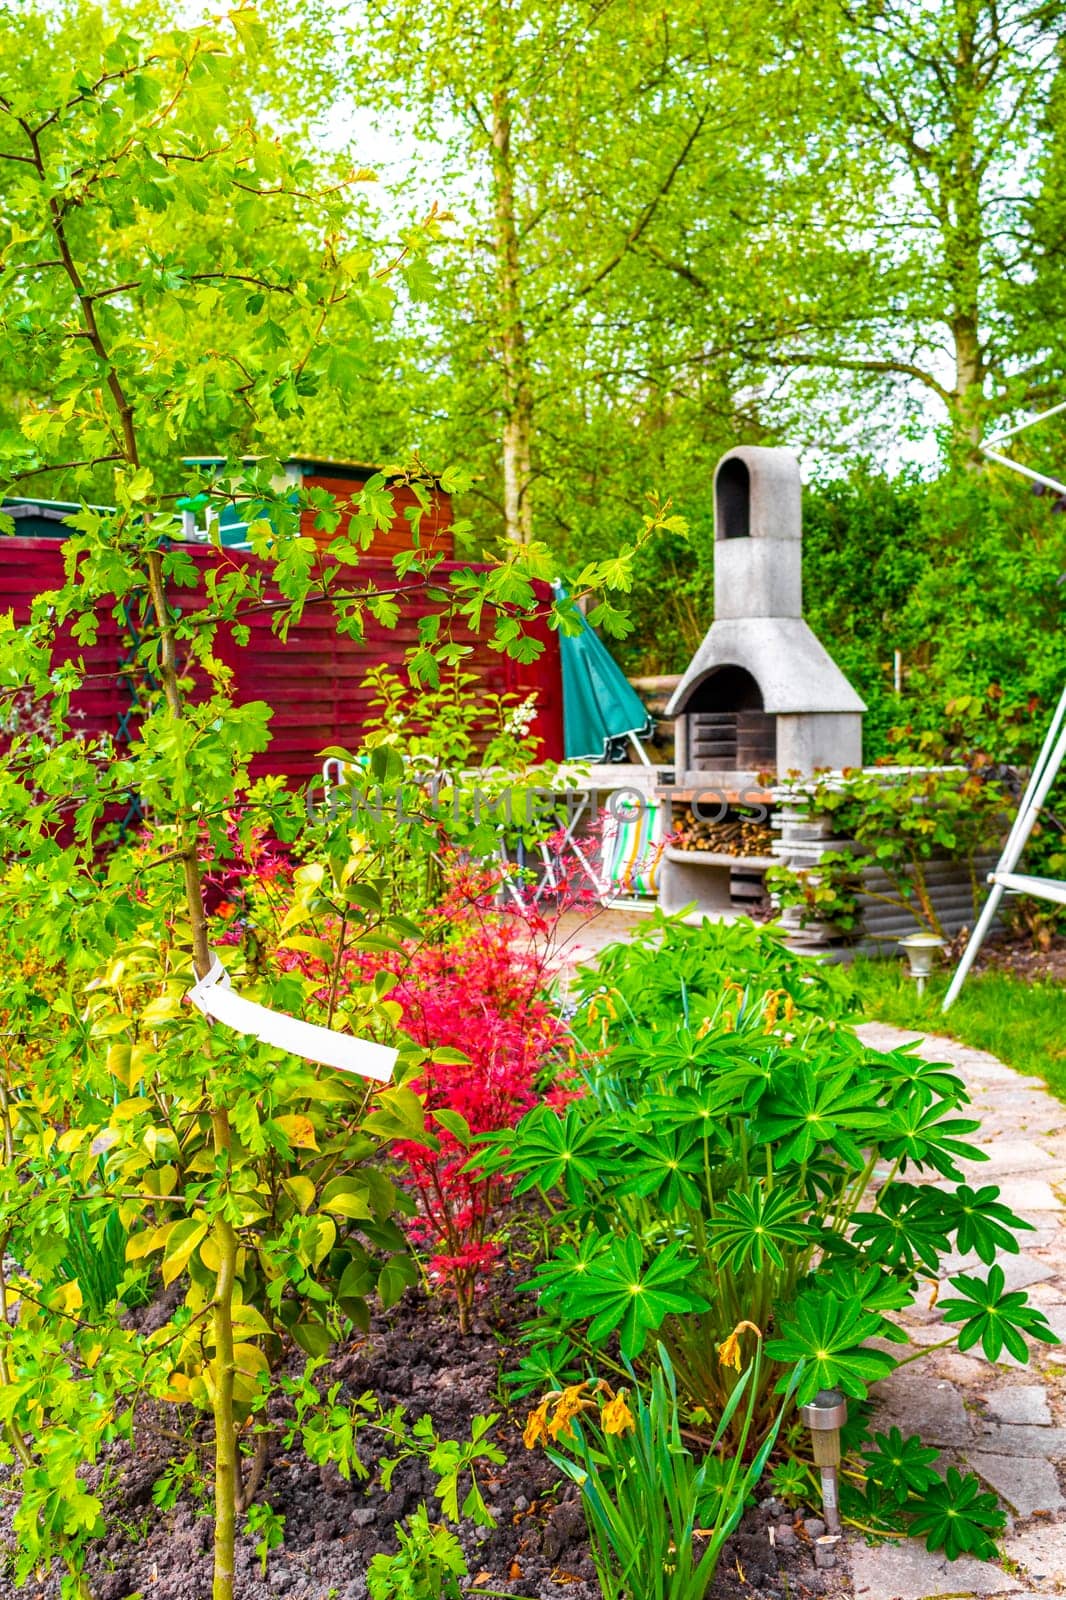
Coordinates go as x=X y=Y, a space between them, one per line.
x=570 y=1404
x=729 y=1349
x=727 y=1020
x=616 y=1416
x=790 y=1008
x=771 y=1007
x=536 y=1429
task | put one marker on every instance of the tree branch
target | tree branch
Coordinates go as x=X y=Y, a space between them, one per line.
x=643 y=221
x=63 y=466
x=811 y=358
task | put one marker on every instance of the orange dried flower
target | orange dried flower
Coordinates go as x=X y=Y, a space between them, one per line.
x=729 y=1349
x=616 y=1416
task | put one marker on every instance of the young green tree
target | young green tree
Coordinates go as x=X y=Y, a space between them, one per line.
x=174 y=274
x=132 y=323
x=893 y=216
x=563 y=135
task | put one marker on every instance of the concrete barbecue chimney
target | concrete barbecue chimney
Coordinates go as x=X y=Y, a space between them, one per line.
x=761 y=693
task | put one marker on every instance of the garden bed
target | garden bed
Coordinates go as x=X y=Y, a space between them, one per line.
x=413 y=1355
x=1020 y=957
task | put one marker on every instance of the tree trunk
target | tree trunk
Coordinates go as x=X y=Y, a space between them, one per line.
x=517 y=394
x=964 y=234
x=969 y=381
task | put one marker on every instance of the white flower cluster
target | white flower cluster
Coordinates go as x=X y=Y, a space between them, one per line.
x=521 y=718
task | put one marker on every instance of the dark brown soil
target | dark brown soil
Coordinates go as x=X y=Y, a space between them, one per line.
x=413 y=1354
x=1021 y=957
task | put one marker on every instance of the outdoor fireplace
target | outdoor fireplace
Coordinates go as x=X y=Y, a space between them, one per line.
x=761 y=694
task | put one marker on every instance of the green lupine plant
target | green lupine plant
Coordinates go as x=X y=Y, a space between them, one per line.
x=959 y=1517
x=900 y=1467
x=893 y=1486
x=739 y=1153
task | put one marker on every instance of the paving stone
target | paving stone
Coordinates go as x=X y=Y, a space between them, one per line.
x=931 y=1407
x=963 y=1370
x=1056 y=1320
x=982 y=1070
x=1027 y=1483
x=1029 y=1194
x=1024 y=1099
x=1055 y=1145
x=1019 y=1271
x=909 y=1571
x=1045 y=1235
x=1009 y=1155
x=1041 y=1552
x=1020 y=1402
x=922 y=1324
x=1021 y=1439
x=1035 y=1119
x=1050 y=1293
x=930 y=1330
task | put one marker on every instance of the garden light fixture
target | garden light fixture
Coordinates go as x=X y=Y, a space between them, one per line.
x=920 y=949
x=825 y=1416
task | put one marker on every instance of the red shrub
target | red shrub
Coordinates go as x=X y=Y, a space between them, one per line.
x=476 y=991
x=478 y=986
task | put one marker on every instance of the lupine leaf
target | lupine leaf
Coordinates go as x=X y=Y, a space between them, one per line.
x=997 y=1318
x=959 y=1518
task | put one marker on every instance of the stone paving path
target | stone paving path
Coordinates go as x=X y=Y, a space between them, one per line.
x=1007 y=1422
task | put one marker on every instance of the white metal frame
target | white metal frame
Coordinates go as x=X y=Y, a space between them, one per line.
x=1005 y=879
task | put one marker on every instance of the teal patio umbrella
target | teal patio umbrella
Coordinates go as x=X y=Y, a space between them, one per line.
x=600 y=710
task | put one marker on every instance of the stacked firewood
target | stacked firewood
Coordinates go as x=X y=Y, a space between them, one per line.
x=732 y=837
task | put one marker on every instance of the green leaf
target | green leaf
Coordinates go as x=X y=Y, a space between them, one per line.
x=346 y=1197
x=901 y=1467
x=547 y=1150
x=748 y=1230
x=828 y=1334
x=995 y=1318
x=617 y=1290
x=307 y=945
x=181 y=1242
x=984 y=1224
x=312 y=1336
x=959 y=1518
x=455 y=1124
x=807 y=1108
x=398 y=1273
x=399 y=1114
x=929 y=1135
x=909 y=1226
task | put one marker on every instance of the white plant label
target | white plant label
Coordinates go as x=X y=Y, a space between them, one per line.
x=215 y=997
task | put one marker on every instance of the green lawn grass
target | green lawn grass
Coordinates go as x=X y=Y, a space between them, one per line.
x=1021 y=1021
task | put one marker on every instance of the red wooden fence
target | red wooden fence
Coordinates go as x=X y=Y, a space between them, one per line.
x=314 y=680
